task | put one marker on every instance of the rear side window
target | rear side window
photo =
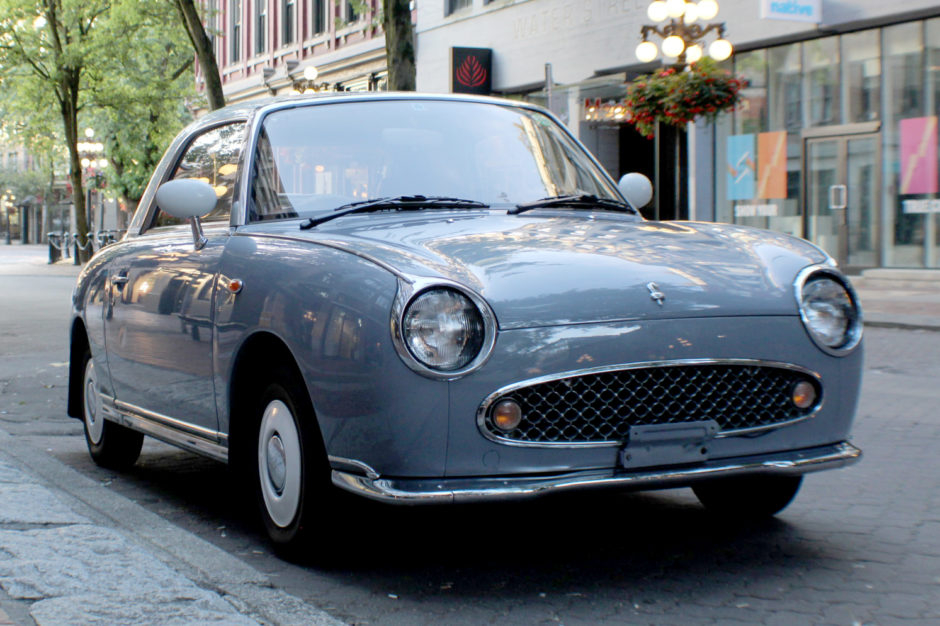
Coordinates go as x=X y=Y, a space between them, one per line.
x=211 y=157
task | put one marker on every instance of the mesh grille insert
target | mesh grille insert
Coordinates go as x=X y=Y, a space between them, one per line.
x=602 y=407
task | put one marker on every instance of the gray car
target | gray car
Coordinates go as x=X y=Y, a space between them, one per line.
x=428 y=299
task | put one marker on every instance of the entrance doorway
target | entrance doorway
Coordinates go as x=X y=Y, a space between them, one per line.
x=842 y=177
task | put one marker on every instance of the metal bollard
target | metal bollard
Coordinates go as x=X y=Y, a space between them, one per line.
x=55 y=253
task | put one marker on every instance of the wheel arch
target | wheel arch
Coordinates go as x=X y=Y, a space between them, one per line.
x=78 y=345
x=260 y=357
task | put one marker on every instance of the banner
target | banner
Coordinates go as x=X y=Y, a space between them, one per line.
x=741 y=167
x=772 y=165
x=918 y=155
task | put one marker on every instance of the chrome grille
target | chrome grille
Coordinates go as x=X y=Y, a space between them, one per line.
x=601 y=407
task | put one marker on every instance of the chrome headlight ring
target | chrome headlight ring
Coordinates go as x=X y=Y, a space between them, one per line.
x=829 y=308
x=409 y=291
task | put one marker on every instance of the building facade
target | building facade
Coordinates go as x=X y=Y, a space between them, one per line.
x=264 y=46
x=840 y=111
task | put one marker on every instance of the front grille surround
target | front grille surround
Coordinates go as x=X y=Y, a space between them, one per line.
x=490 y=432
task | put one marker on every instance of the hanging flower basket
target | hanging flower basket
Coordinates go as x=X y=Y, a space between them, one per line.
x=678 y=97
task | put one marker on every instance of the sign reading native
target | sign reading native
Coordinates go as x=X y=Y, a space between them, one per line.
x=471 y=70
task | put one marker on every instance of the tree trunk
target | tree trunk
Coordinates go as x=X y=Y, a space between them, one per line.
x=399 y=45
x=204 y=52
x=68 y=101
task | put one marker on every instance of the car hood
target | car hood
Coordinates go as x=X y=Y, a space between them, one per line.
x=544 y=271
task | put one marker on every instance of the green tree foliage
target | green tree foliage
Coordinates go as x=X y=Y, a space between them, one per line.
x=119 y=66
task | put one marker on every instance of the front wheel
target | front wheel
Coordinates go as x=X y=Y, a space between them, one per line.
x=291 y=474
x=748 y=497
x=109 y=444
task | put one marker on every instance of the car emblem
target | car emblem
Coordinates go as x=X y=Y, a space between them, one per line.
x=655 y=294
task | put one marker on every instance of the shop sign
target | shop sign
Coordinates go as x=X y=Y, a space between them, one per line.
x=920 y=206
x=919 y=155
x=740 y=167
x=756 y=210
x=792 y=10
x=471 y=70
x=610 y=111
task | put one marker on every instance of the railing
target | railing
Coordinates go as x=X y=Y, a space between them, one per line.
x=61 y=243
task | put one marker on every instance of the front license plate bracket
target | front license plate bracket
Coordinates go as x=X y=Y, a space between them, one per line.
x=668 y=444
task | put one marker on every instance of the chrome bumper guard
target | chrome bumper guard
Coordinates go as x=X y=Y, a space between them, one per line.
x=448 y=490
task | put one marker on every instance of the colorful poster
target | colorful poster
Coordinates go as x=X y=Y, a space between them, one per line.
x=741 y=167
x=919 y=155
x=772 y=165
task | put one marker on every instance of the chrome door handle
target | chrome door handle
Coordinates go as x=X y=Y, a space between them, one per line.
x=118 y=280
x=838 y=197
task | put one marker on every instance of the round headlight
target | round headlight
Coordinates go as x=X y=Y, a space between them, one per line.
x=830 y=312
x=443 y=329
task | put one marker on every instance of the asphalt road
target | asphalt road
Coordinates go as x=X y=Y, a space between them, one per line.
x=858 y=546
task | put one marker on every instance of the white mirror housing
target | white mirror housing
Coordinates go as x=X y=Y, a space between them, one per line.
x=636 y=188
x=186 y=198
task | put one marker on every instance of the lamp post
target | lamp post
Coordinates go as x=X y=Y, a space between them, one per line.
x=683 y=37
x=92 y=161
x=678 y=24
x=308 y=82
x=6 y=203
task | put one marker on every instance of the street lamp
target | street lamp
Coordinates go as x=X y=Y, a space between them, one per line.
x=93 y=161
x=6 y=203
x=682 y=36
x=308 y=82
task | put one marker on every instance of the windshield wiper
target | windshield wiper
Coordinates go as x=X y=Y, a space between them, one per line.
x=399 y=203
x=576 y=201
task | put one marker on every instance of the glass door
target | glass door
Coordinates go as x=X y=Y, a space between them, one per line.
x=843 y=184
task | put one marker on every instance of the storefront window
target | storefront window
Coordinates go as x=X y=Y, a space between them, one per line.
x=786 y=97
x=821 y=75
x=909 y=141
x=932 y=230
x=861 y=82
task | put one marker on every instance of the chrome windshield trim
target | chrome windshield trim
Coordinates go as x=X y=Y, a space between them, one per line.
x=210 y=443
x=450 y=490
x=488 y=401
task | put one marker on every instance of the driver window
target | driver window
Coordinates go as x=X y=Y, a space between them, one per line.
x=211 y=157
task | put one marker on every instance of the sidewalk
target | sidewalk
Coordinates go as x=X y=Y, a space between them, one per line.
x=900 y=298
x=74 y=552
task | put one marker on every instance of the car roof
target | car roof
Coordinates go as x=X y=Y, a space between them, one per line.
x=250 y=108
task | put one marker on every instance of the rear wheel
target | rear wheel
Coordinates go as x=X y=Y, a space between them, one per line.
x=291 y=475
x=110 y=445
x=748 y=497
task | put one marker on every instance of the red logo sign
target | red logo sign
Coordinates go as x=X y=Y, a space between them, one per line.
x=471 y=73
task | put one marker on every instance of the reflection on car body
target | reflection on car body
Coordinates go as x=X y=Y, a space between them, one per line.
x=424 y=298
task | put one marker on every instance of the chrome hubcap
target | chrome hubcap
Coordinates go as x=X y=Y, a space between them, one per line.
x=280 y=463
x=94 y=424
x=277 y=463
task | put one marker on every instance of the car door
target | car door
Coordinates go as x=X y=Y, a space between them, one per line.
x=159 y=331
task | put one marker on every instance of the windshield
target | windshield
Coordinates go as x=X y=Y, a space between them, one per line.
x=313 y=159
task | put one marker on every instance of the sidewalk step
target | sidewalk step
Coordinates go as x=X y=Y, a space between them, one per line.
x=886 y=278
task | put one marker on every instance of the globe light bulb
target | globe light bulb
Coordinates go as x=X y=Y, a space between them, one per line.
x=693 y=53
x=646 y=51
x=103 y=163
x=675 y=8
x=691 y=13
x=657 y=11
x=707 y=9
x=311 y=73
x=673 y=46
x=89 y=132
x=720 y=49
x=86 y=162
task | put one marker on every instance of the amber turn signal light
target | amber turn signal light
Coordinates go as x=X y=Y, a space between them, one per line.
x=507 y=415
x=804 y=395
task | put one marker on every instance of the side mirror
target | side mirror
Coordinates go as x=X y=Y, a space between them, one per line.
x=188 y=199
x=636 y=188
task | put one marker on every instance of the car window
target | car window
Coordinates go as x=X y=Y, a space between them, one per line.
x=211 y=157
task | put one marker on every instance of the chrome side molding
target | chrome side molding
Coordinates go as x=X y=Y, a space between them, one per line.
x=191 y=437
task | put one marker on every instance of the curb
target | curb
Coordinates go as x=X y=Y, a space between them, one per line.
x=248 y=591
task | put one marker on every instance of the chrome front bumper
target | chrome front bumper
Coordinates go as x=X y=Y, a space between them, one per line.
x=447 y=490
